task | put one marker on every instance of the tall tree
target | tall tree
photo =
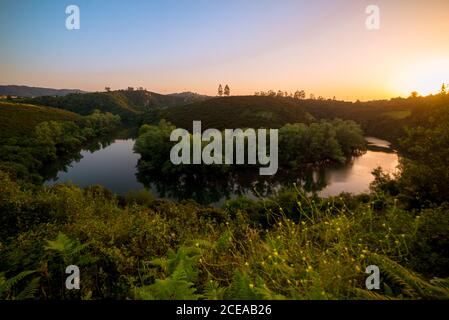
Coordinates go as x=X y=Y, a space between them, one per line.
x=443 y=89
x=220 y=90
x=227 y=91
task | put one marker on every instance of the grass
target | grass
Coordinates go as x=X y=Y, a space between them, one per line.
x=20 y=119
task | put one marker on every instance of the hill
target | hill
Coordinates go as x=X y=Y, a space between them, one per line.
x=385 y=119
x=30 y=92
x=128 y=104
x=20 y=119
x=238 y=112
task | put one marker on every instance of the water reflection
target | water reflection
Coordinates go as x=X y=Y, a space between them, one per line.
x=113 y=164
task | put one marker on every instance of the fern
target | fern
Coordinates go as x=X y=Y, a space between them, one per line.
x=7 y=285
x=411 y=284
x=213 y=291
x=30 y=290
x=182 y=270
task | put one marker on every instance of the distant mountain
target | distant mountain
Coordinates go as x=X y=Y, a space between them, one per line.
x=30 y=92
x=126 y=103
x=190 y=97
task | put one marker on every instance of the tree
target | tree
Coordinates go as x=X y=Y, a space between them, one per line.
x=414 y=94
x=280 y=93
x=227 y=91
x=108 y=89
x=220 y=90
x=312 y=96
x=443 y=89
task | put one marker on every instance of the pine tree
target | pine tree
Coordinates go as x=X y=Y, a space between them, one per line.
x=227 y=91
x=220 y=90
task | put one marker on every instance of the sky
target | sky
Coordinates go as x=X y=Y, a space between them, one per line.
x=320 y=46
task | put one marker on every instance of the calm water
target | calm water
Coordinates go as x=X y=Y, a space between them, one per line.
x=114 y=166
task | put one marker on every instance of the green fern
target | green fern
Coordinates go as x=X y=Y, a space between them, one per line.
x=7 y=286
x=182 y=270
x=213 y=291
x=411 y=285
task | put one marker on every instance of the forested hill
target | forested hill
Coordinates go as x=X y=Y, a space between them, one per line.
x=29 y=92
x=238 y=112
x=19 y=120
x=127 y=104
x=383 y=118
x=386 y=119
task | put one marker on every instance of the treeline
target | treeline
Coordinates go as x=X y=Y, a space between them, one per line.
x=299 y=145
x=23 y=157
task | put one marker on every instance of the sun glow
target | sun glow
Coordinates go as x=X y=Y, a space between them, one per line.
x=425 y=78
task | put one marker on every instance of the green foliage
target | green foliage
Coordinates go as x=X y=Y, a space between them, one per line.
x=299 y=145
x=25 y=157
x=7 y=286
x=19 y=120
x=181 y=269
x=424 y=174
x=292 y=246
x=253 y=112
x=129 y=105
x=399 y=282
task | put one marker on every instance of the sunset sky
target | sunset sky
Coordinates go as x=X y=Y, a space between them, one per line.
x=169 y=46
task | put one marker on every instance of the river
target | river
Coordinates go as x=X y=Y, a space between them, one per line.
x=113 y=165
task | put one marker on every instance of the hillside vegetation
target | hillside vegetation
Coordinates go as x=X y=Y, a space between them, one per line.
x=29 y=92
x=127 y=104
x=237 y=112
x=385 y=119
x=18 y=119
x=291 y=246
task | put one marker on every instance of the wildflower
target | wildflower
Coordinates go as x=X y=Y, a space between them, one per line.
x=357 y=268
x=251 y=285
x=362 y=256
x=338 y=229
x=246 y=264
x=197 y=244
